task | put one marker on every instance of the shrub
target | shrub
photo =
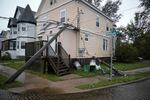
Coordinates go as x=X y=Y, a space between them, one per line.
x=126 y=53
x=6 y=56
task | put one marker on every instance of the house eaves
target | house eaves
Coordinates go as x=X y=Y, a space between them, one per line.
x=94 y=8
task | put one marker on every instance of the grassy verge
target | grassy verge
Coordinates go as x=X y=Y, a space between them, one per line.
x=7 y=86
x=86 y=74
x=129 y=66
x=115 y=80
x=16 y=64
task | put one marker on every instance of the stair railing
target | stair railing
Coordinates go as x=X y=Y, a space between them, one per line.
x=63 y=55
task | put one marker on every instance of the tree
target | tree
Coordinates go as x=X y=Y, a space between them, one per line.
x=110 y=9
x=142 y=19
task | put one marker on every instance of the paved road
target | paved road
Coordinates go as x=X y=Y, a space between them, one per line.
x=134 y=91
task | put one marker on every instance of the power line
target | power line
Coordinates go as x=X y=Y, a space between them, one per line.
x=1 y=17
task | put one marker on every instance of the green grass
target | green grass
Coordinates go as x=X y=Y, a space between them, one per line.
x=129 y=66
x=16 y=64
x=7 y=86
x=86 y=74
x=50 y=76
x=115 y=80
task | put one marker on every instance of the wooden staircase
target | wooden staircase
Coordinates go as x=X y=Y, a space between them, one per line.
x=58 y=65
x=59 y=61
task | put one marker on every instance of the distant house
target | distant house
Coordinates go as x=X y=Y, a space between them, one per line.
x=22 y=30
x=91 y=40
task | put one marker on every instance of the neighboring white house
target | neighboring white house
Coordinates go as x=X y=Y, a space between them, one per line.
x=22 y=30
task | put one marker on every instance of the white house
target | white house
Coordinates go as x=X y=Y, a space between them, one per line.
x=22 y=30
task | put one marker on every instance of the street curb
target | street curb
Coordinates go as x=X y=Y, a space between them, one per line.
x=112 y=86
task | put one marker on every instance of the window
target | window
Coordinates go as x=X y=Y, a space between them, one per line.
x=86 y=37
x=62 y=16
x=15 y=32
x=23 y=28
x=12 y=45
x=17 y=44
x=81 y=52
x=97 y=21
x=52 y=2
x=18 y=27
x=105 y=44
x=107 y=28
x=23 y=45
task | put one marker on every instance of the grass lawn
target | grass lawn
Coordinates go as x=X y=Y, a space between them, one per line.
x=129 y=66
x=86 y=74
x=7 y=86
x=115 y=80
x=16 y=64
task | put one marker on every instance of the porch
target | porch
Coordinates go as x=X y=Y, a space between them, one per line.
x=57 y=61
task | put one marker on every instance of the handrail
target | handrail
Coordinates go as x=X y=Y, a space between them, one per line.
x=63 y=54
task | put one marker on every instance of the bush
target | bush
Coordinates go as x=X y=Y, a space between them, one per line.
x=6 y=56
x=126 y=53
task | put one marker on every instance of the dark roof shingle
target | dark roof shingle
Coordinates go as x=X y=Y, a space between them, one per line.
x=27 y=16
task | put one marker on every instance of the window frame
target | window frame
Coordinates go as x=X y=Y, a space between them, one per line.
x=105 y=45
x=86 y=37
x=65 y=15
x=97 y=21
x=23 y=46
x=23 y=28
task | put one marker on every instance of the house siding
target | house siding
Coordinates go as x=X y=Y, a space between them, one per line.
x=71 y=40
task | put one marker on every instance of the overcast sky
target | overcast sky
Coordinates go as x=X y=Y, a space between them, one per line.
x=7 y=9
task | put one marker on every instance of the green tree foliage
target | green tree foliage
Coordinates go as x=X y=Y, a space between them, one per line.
x=143 y=45
x=142 y=18
x=126 y=53
x=110 y=9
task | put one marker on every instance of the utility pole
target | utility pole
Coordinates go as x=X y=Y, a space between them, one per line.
x=111 y=57
x=78 y=33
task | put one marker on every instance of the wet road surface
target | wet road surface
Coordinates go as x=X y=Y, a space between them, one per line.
x=134 y=91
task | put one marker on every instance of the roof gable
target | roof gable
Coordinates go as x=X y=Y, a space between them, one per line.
x=27 y=16
x=18 y=10
x=12 y=22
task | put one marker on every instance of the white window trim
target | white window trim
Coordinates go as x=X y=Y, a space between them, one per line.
x=65 y=14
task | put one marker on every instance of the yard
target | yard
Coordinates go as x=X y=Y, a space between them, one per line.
x=120 y=66
x=6 y=86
